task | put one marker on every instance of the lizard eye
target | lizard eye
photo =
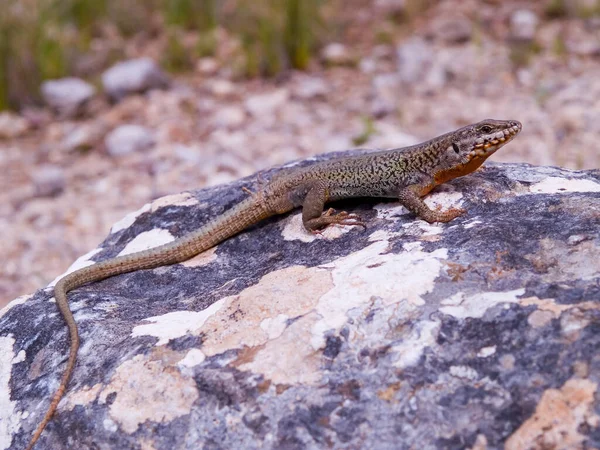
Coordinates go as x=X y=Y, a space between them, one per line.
x=455 y=147
x=486 y=129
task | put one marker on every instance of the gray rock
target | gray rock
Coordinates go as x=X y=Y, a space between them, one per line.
x=127 y=139
x=84 y=137
x=48 y=180
x=12 y=125
x=221 y=88
x=67 y=96
x=452 y=29
x=523 y=24
x=132 y=77
x=404 y=335
x=337 y=54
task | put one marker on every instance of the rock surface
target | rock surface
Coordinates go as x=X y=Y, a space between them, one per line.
x=479 y=333
x=132 y=77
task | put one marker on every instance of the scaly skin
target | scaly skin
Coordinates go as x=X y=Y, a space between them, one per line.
x=406 y=174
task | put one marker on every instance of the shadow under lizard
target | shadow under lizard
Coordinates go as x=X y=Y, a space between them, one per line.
x=407 y=174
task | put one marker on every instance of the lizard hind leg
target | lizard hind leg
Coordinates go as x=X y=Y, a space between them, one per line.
x=315 y=220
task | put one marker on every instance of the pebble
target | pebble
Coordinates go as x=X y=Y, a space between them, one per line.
x=133 y=76
x=523 y=25
x=207 y=66
x=67 y=96
x=336 y=54
x=12 y=125
x=84 y=137
x=452 y=29
x=48 y=180
x=221 y=88
x=127 y=139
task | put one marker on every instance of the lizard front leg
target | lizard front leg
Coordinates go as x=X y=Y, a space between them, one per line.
x=313 y=217
x=409 y=198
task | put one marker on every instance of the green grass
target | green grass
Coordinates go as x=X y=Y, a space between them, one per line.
x=368 y=131
x=43 y=39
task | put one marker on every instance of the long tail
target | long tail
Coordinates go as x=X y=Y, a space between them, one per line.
x=230 y=223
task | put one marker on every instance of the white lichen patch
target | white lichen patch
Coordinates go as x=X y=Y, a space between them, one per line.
x=274 y=326
x=437 y=201
x=462 y=306
x=128 y=220
x=192 y=358
x=444 y=200
x=146 y=240
x=559 y=185
x=559 y=418
x=472 y=223
x=10 y=420
x=390 y=211
x=466 y=372
x=422 y=228
x=294 y=230
x=250 y=318
x=374 y=273
x=80 y=263
x=182 y=199
x=176 y=324
x=409 y=351
x=80 y=397
x=559 y=263
x=383 y=235
x=484 y=352
x=548 y=305
x=148 y=389
x=288 y=359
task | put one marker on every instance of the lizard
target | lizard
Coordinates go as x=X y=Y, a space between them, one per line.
x=407 y=174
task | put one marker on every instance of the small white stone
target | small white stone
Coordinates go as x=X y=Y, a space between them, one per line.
x=67 y=96
x=127 y=139
x=523 y=24
x=221 y=88
x=336 y=54
x=12 y=125
x=49 y=180
x=133 y=76
x=207 y=66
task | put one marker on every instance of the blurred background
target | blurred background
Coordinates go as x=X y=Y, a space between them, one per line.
x=106 y=105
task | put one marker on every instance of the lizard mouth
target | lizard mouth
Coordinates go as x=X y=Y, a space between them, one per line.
x=485 y=146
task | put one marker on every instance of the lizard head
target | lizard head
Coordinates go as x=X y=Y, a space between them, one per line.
x=465 y=149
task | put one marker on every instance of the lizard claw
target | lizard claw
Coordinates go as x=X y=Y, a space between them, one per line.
x=346 y=219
